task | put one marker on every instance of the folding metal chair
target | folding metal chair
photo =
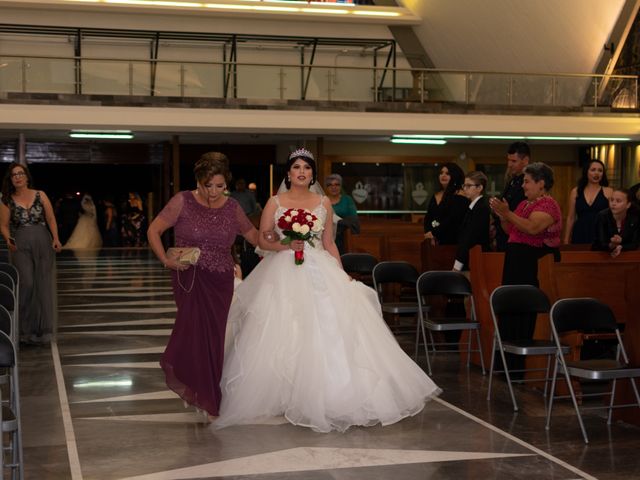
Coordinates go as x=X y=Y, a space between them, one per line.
x=445 y=283
x=402 y=274
x=10 y=414
x=519 y=300
x=589 y=315
x=359 y=265
x=15 y=276
x=8 y=301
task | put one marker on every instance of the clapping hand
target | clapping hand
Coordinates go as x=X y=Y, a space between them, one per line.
x=499 y=207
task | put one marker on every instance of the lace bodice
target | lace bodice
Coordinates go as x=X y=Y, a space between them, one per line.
x=23 y=217
x=319 y=211
x=213 y=230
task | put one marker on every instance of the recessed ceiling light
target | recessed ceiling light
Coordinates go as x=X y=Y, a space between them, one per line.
x=113 y=134
x=419 y=141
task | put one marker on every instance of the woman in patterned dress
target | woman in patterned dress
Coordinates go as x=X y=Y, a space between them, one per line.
x=25 y=214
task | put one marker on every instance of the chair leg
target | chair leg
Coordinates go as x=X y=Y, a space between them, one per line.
x=415 y=356
x=611 y=400
x=552 y=393
x=433 y=342
x=635 y=389
x=575 y=402
x=546 y=377
x=426 y=350
x=468 y=348
x=480 y=352
x=493 y=356
x=506 y=373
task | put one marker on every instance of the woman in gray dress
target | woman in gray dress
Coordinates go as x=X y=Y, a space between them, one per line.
x=25 y=214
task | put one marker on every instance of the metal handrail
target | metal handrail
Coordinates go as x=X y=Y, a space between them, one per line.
x=315 y=66
x=624 y=93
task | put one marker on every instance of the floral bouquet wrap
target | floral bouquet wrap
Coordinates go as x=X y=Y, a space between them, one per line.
x=299 y=224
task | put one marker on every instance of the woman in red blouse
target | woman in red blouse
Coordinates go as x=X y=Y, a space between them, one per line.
x=534 y=229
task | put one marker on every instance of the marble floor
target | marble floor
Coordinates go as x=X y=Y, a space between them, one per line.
x=95 y=406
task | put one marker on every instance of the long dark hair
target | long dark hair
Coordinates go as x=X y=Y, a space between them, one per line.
x=584 y=179
x=455 y=183
x=7 y=185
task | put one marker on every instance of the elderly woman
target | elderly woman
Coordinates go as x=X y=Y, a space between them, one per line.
x=344 y=207
x=534 y=229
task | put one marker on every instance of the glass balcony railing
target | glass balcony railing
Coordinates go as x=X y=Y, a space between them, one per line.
x=106 y=76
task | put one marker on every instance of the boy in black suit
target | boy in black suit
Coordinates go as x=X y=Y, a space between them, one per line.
x=475 y=226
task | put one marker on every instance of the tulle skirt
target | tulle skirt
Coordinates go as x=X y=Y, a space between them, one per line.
x=308 y=343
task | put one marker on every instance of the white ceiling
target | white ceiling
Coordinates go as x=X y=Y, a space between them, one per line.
x=548 y=36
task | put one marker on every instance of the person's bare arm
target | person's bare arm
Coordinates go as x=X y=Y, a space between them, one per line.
x=51 y=221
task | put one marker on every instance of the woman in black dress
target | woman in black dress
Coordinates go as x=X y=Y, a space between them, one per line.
x=590 y=197
x=447 y=208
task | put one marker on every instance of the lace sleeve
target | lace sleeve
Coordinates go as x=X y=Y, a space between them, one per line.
x=244 y=224
x=171 y=210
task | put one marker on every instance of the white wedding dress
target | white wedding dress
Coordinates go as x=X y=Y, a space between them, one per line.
x=310 y=344
x=86 y=233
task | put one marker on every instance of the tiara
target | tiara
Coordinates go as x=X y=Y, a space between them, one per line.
x=302 y=153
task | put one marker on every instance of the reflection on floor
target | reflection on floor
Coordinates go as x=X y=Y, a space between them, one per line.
x=95 y=406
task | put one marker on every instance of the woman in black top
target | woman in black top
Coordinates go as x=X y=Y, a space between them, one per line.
x=617 y=227
x=447 y=207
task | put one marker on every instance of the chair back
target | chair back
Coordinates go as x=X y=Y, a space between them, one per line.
x=394 y=272
x=7 y=300
x=7 y=352
x=362 y=263
x=443 y=283
x=5 y=321
x=583 y=314
x=11 y=271
x=5 y=279
x=518 y=299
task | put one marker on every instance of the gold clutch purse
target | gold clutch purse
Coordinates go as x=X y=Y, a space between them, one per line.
x=185 y=255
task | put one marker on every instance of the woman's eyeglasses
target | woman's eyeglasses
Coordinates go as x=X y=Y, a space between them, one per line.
x=18 y=175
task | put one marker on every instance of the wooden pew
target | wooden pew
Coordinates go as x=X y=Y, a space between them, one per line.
x=613 y=281
x=437 y=257
x=387 y=239
x=486 y=276
x=578 y=274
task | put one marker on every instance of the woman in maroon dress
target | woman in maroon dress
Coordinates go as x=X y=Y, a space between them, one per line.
x=207 y=219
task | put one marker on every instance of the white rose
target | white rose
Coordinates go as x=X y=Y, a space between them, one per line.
x=308 y=217
x=304 y=229
x=296 y=227
x=316 y=227
x=293 y=213
x=287 y=218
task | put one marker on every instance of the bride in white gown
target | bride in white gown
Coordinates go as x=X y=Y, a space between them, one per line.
x=308 y=342
x=86 y=233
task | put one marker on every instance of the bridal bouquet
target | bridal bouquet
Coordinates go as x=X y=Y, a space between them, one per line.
x=299 y=224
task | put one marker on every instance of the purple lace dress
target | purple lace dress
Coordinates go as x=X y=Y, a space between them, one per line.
x=192 y=361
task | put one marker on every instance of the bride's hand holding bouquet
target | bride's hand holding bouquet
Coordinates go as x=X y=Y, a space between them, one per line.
x=298 y=226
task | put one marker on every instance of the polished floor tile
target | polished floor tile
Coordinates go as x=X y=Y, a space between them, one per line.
x=95 y=406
